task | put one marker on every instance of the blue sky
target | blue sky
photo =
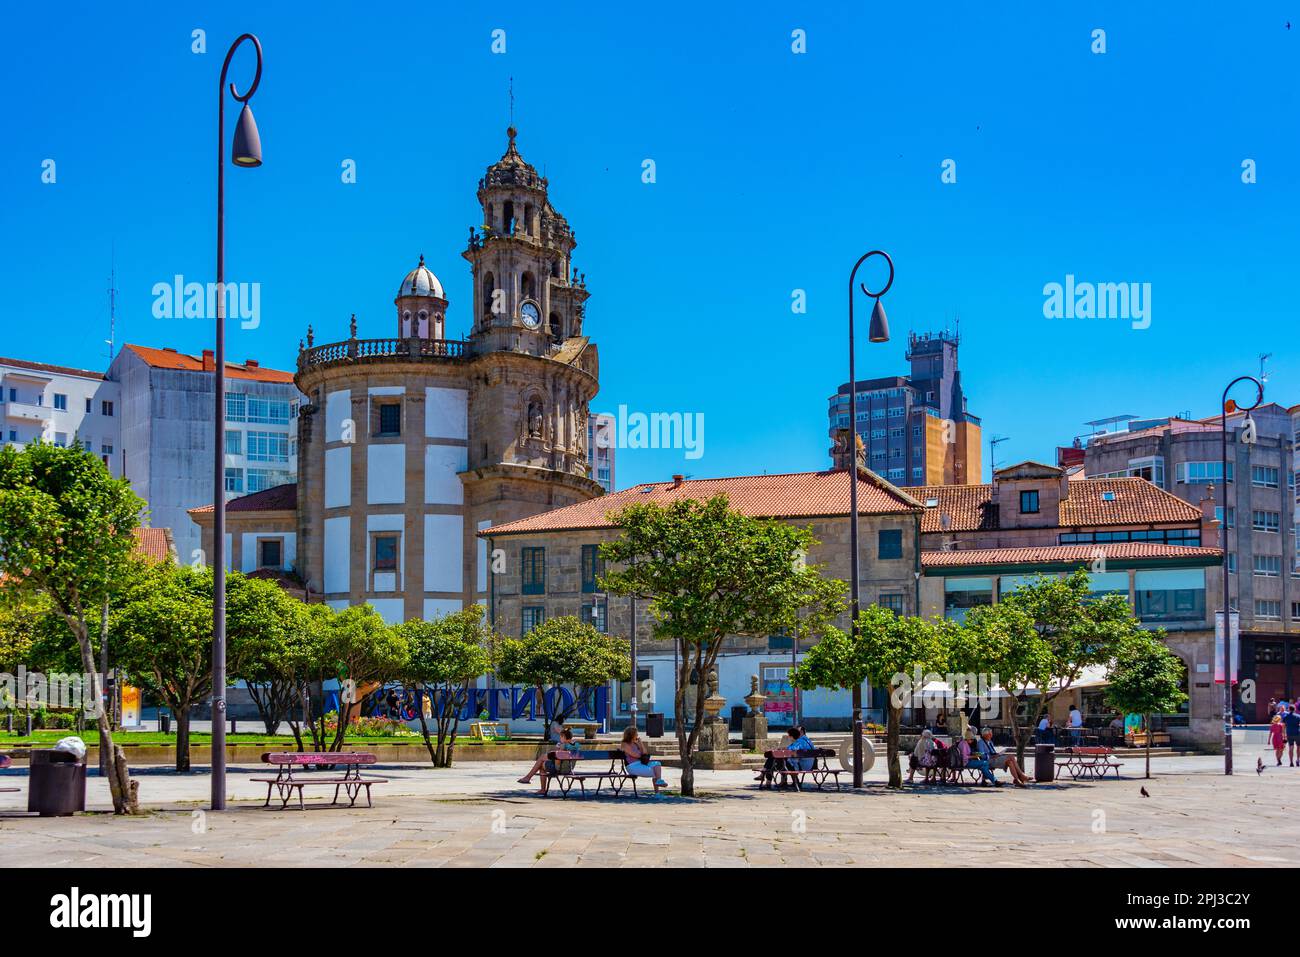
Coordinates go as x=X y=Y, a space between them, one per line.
x=775 y=171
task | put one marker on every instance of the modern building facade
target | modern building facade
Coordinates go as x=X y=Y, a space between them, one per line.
x=61 y=405
x=602 y=431
x=915 y=429
x=165 y=419
x=410 y=444
x=1184 y=456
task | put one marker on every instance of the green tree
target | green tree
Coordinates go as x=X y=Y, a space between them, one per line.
x=711 y=572
x=444 y=657
x=68 y=534
x=563 y=651
x=1038 y=640
x=261 y=619
x=887 y=653
x=1146 y=678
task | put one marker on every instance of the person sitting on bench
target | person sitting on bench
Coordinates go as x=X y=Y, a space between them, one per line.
x=999 y=762
x=975 y=758
x=922 y=756
x=798 y=742
x=544 y=765
x=638 y=763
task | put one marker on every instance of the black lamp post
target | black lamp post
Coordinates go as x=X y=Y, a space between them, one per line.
x=247 y=151
x=877 y=332
x=1227 y=615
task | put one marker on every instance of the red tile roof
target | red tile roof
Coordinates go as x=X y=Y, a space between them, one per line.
x=171 y=359
x=155 y=544
x=46 y=367
x=1136 y=501
x=792 y=495
x=279 y=498
x=1065 y=554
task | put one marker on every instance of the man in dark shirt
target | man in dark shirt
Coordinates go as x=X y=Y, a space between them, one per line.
x=1292 y=721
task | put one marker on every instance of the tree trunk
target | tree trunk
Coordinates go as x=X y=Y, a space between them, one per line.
x=685 y=741
x=182 y=738
x=105 y=756
x=120 y=784
x=424 y=726
x=1147 y=719
x=895 y=769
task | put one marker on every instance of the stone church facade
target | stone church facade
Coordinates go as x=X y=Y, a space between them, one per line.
x=408 y=446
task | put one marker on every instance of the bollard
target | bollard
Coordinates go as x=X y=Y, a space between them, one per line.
x=232 y=726
x=29 y=725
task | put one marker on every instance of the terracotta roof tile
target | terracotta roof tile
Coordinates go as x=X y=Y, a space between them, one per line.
x=155 y=544
x=1136 y=502
x=46 y=367
x=1049 y=554
x=279 y=498
x=169 y=359
x=792 y=495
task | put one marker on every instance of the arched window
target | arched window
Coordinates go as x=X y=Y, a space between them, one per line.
x=527 y=286
x=423 y=324
x=406 y=323
x=489 y=290
x=557 y=331
x=528 y=218
x=508 y=218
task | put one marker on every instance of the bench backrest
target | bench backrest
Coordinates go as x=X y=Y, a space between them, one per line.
x=317 y=757
x=785 y=753
x=5 y=761
x=599 y=755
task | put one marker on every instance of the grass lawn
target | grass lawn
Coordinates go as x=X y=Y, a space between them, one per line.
x=200 y=739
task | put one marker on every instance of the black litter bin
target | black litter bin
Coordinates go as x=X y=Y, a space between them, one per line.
x=1044 y=763
x=56 y=785
x=165 y=723
x=654 y=724
x=738 y=713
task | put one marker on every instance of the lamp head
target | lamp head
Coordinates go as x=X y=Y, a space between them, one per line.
x=879 y=328
x=247 y=150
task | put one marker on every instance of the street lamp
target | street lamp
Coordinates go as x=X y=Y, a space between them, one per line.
x=878 y=331
x=246 y=151
x=1227 y=615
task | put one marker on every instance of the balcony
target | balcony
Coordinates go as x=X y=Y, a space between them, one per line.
x=24 y=412
x=370 y=350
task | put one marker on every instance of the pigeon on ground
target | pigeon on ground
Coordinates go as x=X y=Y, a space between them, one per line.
x=1144 y=792
x=1259 y=765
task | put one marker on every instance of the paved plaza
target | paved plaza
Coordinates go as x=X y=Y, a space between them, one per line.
x=476 y=816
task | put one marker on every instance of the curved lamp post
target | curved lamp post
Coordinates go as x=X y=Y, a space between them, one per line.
x=878 y=331
x=246 y=151
x=1227 y=616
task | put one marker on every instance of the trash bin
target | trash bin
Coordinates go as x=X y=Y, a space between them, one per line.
x=56 y=785
x=654 y=724
x=1044 y=763
x=165 y=723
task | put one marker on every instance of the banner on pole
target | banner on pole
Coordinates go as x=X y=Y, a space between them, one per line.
x=1234 y=646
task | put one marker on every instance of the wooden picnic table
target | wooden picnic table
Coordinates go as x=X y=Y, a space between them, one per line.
x=286 y=781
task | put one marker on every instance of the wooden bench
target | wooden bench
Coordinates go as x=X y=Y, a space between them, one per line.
x=286 y=781
x=6 y=761
x=489 y=730
x=820 y=772
x=569 y=772
x=942 y=771
x=1090 y=763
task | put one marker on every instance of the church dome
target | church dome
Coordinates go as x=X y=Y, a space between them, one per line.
x=420 y=281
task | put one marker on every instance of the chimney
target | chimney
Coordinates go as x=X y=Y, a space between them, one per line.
x=677 y=480
x=209 y=361
x=250 y=363
x=1212 y=530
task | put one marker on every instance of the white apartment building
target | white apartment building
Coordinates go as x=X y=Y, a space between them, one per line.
x=61 y=405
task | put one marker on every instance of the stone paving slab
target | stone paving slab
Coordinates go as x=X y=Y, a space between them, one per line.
x=476 y=816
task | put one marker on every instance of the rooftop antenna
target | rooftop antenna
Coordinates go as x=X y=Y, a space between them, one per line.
x=1263 y=358
x=512 y=101
x=994 y=442
x=112 y=303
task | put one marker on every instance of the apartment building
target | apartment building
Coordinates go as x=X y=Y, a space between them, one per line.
x=62 y=405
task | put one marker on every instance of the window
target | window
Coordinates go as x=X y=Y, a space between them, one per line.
x=1295 y=611
x=260 y=479
x=877 y=413
x=896 y=412
x=895 y=433
x=236 y=403
x=1269 y=653
x=960 y=595
x=269 y=552
x=106 y=408
x=1200 y=473
x=1264 y=476
x=879 y=433
x=234 y=442
x=593 y=613
x=917 y=474
x=385 y=553
x=533 y=615
x=893 y=601
x=61 y=402
x=1170 y=595
x=1232 y=563
x=592 y=567
x=268 y=447
x=1265 y=608
x=265 y=411
x=889 y=543
x=1230 y=521
x=1169 y=536
x=234 y=480
x=90 y=406
x=896 y=475
x=13 y=395
x=106 y=449
x=1151 y=468
x=1265 y=521
x=390 y=419
x=532 y=565
x=1268 y=566
x=916 y=431
x=1029 y=502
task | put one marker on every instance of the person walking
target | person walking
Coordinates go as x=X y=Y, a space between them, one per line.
x=1277 y=737
x=1292 y=722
